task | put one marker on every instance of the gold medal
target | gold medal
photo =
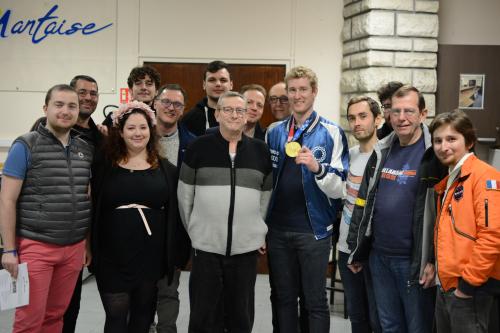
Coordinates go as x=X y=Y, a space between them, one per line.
x=292 y=148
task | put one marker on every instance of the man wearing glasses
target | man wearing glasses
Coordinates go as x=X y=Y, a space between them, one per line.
x=310 y=163
x=278 y=101
x=384 y=96
x=88 y=97
x=224 y=189
x=174 y=138
x=388 y=224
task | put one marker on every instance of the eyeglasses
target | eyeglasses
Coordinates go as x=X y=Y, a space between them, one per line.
x=83 y=93
x=406 y=112
x=386 y=107
x=276 y=99
x=229 y=111
x=168 y=103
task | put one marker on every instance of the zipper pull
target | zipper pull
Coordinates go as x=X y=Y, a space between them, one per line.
x=486 y=212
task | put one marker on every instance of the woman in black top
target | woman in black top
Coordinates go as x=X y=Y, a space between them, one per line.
x=135 y=219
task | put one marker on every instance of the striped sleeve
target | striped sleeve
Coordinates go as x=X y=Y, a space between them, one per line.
x=266 y=190
x=332 y=177
x=185 y=188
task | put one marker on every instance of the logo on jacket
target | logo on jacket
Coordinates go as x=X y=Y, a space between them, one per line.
x=319 y=153
x=274 y=157
x=459 y=193
x=80 y=154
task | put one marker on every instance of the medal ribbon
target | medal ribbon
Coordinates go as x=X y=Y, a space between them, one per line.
x=292 y=135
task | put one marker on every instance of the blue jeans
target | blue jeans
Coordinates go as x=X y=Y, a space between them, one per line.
x=400 y=304
x=299 y=259
x=360 y=299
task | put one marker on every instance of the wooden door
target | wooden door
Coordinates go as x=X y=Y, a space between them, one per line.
x=190 y=76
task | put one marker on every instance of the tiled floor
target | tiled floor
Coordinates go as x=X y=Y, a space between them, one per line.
x=91 y=318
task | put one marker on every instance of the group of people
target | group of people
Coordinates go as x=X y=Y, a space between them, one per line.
x=137 y=197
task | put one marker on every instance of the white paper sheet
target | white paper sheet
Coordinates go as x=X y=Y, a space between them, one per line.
x=14 y=293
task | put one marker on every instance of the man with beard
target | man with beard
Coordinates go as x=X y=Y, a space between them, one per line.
x=88 y=97
x=216 y=81
x=363 y=115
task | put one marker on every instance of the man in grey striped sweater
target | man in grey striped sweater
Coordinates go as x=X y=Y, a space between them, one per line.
x=224 y=190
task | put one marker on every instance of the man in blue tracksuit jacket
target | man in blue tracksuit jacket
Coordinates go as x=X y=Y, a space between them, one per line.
x=310 y=162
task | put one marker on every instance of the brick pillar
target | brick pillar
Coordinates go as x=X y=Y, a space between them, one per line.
x=389 y=40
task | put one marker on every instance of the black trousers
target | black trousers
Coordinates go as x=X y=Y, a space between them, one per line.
x=459 y=315
x=71 y=314
x=229 y=280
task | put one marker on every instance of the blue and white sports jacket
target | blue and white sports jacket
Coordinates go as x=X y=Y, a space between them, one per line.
x=325 y=190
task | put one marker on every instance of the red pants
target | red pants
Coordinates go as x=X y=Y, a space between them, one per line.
x=53 y=270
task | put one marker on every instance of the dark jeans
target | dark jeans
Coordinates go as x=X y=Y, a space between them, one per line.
x=401 y=306
x=168 y=304
x=303 y=323
x=217 y=279
x=459 y=315
x=71 y=314
x=360 y=299
x=298 y=261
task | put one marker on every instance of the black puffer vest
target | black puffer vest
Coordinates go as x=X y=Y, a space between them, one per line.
x=54 y=206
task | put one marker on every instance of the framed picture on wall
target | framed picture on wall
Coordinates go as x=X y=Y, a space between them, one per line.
x=471 y=91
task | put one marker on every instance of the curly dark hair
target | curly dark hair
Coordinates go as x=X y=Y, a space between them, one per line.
x=387 y=90
x=140 y=72
x=116 y=150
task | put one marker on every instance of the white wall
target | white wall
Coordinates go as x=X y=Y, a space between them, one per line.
x=466 y=22
x=290 y=32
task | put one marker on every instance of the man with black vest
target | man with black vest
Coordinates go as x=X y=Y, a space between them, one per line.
x=44 y=225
